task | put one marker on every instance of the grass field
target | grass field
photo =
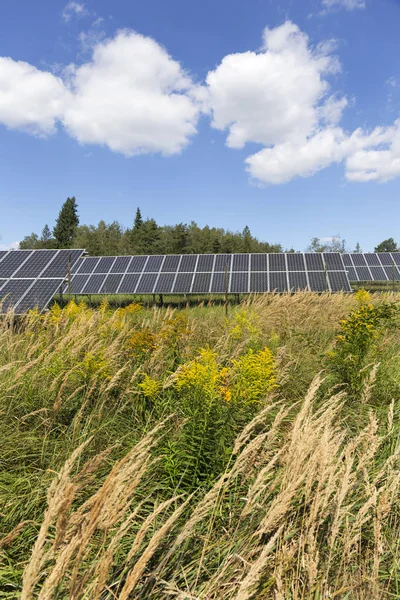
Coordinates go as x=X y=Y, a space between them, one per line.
x=162 y=453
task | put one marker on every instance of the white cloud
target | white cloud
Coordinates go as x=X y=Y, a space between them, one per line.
x=131 y=97
x=73 y=9
x=30 y=99
x=280 y=98
x=347 y=4
x=271 y=96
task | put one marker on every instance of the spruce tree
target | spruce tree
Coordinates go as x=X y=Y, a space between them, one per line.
x=138 y=222
x=67 y=223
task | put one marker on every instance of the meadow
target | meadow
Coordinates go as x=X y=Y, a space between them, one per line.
x=156 y=453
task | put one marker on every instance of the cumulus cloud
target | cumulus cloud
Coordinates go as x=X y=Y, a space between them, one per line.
x=12 y=246
x=131 y=97
x=281 y=98
x=72 y=10
x=347 y=4
x=30 y=99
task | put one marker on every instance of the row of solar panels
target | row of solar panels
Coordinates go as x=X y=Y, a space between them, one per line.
x=209 y=273
x=29 y=279
x=212 y=282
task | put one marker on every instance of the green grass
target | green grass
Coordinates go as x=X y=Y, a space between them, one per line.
x=201 y=470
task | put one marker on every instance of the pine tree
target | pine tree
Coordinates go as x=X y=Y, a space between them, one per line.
x=138 y=222
x=67 y=223
x=46 y=234
x=388 y=245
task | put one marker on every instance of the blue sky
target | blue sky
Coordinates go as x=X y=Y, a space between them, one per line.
x=279 y=115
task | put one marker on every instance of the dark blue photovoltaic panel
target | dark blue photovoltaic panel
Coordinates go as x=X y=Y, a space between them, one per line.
x=222 y=262
x=2 y=282
x=358 y=260
x=164 y=283
x=129 y=283
x=333 y=261
x=352 y=274
x=12 y=291
x=120 y=264
x=392 y=273
x=240 y=262
x=183 y=283
x=12 y=262
x=76 y=267
x=105 y=264
x=171 y=264
x=314 y=261
x=339 y=281
x=188 y=263
x=372 y=260
x=363 y=274
x=205 y=263
x=3 y=253
x=59 y=265
x=396 y=257
x=259 y=282
x=378 y=274
x=277 y=262
x=94 y=284
x=317 y=281
x=89 y=264
x=137 y=263
x=39 y=295
x=201 y=283
x=298 y=280
x=347 y=260
x=277 y=282
x=219 y=284
x=153 y=264
x=78 y=282
x=295 y=262
x=146 y=283
x=240 y=283
x=36 y=263
x=259 y=262
x=384 y=257
x=111 y=283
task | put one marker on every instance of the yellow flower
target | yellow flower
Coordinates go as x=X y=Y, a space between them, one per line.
x=150 y=387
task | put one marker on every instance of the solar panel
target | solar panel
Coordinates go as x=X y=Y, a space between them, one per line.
x=104 y=265
x=347 y=260
x=223 y=262
x=138 y=262
x=314 y=261
x=188 y=263
x=364 y=274
x=30 y=278
x=318 y=281
x=385 y=258
x=259 y=282
x=392 y=273
x=339 y=281
x=333 y=261
x=278 y=282
x=240 y=283
x=358 y=260
x=298 y=280
x=94 y=284
x=277 y=262
x=153 y=264
x=378 y=274
x=352 y=274
x=372 y=260
x=219 y=283
x=201 y=283
x=205 y=263
x=183 y=283
x=146 y=283
x=121 y=264
x=240 y=262
x=259 y=262
x=396 y=257
x=39 y=294
x=170 y=264
x=295 y=262
x=128 y=283
x=164 y=283
x=111 y=283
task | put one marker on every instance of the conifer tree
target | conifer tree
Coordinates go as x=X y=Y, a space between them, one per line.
x=138 y=222
x=67 y=223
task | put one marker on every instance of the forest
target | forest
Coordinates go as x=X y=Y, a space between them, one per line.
x=146 y=236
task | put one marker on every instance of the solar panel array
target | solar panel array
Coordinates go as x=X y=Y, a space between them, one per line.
x=30 y=278
x=210 y=273
x=373 y=266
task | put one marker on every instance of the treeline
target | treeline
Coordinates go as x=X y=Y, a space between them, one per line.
x=144 y=237
x=147 y=237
